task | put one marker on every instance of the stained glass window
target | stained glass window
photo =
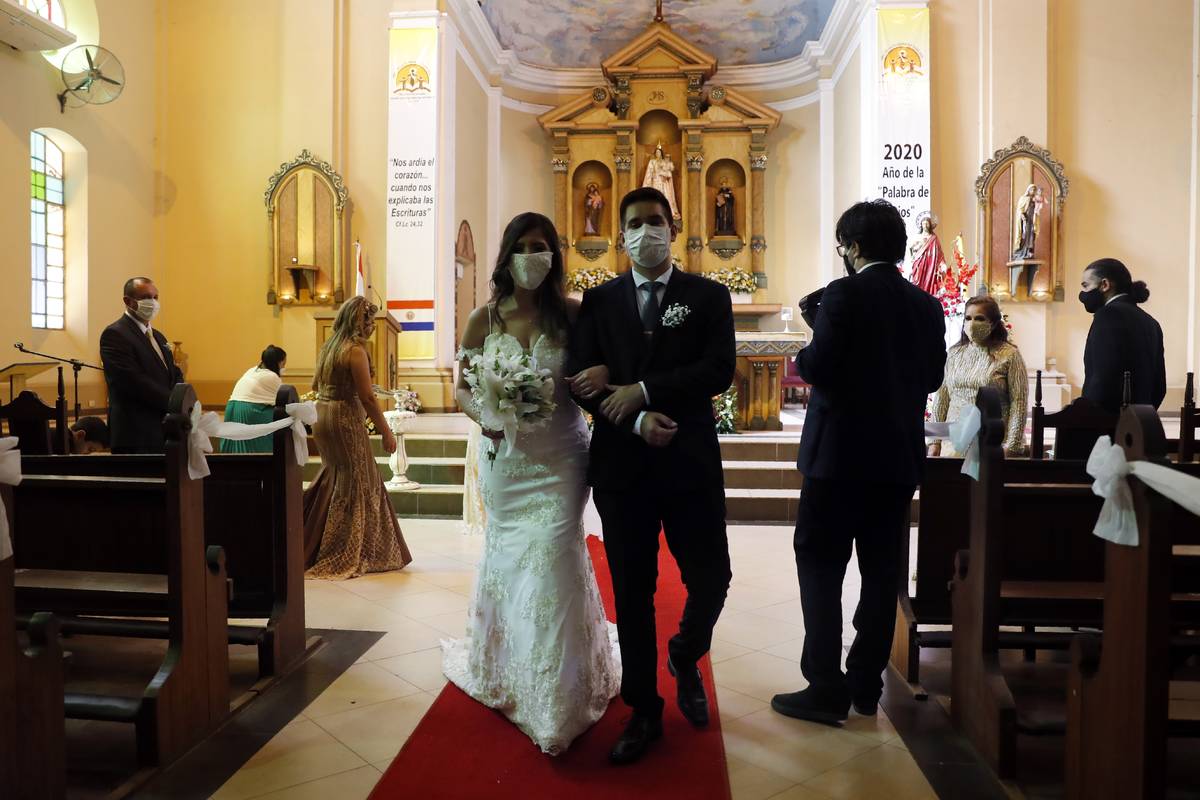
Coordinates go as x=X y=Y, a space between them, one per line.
x=47 y=9
x=47 y=231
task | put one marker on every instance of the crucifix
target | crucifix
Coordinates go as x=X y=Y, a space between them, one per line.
x=658 y=17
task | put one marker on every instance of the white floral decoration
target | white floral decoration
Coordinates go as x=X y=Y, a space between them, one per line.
x=675 y=314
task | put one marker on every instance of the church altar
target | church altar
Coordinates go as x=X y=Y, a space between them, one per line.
x=761 y=364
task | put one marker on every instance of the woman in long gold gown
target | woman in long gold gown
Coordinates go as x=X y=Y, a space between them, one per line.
x=350 y=528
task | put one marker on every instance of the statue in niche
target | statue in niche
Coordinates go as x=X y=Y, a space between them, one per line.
x=927 y=261
x=660 y=173
x=593 y=207
x=724 y=212
x=1029 y=209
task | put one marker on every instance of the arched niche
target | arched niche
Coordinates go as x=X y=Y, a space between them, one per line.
x=587 y=239
x=661 y=127
x=306 y=205
x=1017 y=266
x=726 y=240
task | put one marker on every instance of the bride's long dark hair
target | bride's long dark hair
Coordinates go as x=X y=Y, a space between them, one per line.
x=551 y=296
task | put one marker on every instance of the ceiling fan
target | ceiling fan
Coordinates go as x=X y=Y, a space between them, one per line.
x=90 y=74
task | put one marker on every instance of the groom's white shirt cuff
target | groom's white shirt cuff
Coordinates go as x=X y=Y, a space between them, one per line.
x=637 y=423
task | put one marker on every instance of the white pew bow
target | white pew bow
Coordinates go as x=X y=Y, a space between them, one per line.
x=1118 y=522
x=10 y=474
x=964 y=434
x=206 y=425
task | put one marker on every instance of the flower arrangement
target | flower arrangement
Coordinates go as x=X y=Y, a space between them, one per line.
x=737 y=281
x=513 y=394
x=954 y=287
x=406 y=399
x=725 y=411
x=583 y=279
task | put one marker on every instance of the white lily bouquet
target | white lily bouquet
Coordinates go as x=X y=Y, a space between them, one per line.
x=512 y=393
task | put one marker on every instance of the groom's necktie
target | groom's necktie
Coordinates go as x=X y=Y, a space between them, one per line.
x=650 y=309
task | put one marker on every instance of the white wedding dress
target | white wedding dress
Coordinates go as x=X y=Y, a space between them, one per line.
x=538 y=647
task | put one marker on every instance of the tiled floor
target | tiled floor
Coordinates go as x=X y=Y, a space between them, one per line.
x=344 y=740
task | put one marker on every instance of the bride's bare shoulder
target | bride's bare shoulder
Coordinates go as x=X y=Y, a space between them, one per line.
x=476 y=329
x=573 y=306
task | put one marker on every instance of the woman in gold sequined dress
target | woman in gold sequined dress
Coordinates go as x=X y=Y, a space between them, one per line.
x=984 y=357
x=350 y=528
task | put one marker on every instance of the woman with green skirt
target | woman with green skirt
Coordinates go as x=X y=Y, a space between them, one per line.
x=253 y=400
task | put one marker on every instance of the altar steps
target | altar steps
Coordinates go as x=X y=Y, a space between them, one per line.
x=762 y=484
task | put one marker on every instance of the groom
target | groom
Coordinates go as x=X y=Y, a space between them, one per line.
x=666 y=337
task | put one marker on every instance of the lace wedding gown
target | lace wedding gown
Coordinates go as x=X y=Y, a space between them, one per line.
x=538 y=647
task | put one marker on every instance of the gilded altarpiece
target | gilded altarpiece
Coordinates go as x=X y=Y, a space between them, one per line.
x=658 y=113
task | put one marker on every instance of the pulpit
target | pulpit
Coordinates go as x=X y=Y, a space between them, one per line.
x=761 y=362
x=381 y=346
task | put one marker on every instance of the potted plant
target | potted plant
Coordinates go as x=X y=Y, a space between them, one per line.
x=581 y=280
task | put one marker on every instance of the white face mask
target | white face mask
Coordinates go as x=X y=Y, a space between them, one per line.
x=648 y=245
x=146 y=310
x=530 y=269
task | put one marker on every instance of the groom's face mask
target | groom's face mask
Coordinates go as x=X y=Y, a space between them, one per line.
x=648 y=234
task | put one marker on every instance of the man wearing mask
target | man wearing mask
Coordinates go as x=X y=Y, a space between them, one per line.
x=877 y=352
x=140 y=372
x=667 y=340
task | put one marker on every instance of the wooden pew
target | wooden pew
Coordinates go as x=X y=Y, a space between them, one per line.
x=42 y=429
x=1189 y=422
x=943 y=530
x=253 y=511
x=32 y=762
x=1033 y=562
x=1117 y=702
x=1077 y=427
x=94 y=542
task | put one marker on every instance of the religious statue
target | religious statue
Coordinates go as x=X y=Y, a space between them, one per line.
x=1029 y=209
x=593 y=207
x=660 y=173
x=725 y=217
x=926 y=259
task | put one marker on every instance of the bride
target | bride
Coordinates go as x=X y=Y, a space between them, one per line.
x=537 y=646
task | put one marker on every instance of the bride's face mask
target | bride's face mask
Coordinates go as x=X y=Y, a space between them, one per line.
x=529 y=270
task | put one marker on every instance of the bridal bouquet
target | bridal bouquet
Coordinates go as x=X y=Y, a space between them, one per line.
x=513 y=394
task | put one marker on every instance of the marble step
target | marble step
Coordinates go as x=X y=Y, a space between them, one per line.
x=444 y=471
x=759 y=447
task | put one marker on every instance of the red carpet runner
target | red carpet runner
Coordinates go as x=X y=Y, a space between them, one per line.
x=462 y=749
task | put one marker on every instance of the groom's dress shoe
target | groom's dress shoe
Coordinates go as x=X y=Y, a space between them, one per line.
x=635 y=741
x=812 y=705
x=693 y=702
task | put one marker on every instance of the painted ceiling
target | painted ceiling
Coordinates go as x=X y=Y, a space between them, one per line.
x=582 y=33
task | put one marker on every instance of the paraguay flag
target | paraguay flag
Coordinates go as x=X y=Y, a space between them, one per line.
x=416 y=328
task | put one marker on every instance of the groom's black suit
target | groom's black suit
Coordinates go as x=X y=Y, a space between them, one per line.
x=641 y=489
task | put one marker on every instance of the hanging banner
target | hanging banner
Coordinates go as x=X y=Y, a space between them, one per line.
x=903 y=141
x=412 y=187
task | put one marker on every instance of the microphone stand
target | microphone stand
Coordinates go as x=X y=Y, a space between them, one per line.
x=76 y=366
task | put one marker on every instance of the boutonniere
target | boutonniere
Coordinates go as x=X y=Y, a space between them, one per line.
x=675 y=314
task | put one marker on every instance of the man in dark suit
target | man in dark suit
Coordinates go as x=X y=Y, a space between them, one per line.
x=140 y=372
x=878 y=350
x=1123 y=338
x=666 y=339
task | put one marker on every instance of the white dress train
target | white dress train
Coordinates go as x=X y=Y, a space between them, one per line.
x=538 y=647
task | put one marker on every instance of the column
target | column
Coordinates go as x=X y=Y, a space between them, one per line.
x=695 y=221
x=758 y=224
x=1015 y=64
x=623 y=159
x=560 y=164
x=827 y=258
